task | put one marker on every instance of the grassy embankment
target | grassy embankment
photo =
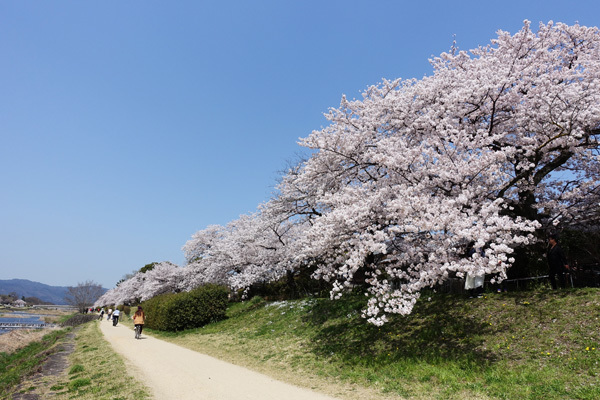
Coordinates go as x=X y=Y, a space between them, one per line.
x=24 y=361
x=526 y=345
x=23 y=351
x=93 y=370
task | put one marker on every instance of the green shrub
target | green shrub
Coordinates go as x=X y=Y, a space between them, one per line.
x=187 y=310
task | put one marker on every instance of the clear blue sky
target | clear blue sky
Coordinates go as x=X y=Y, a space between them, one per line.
x=126 y=126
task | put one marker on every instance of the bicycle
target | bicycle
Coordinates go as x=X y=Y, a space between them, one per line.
x=138 y=329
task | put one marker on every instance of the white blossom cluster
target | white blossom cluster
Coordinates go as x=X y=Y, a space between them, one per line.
x=498 y=144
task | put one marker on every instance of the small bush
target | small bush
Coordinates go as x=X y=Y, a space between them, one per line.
x=188 y=310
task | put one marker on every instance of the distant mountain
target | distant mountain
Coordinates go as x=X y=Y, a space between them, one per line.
x=26 y=288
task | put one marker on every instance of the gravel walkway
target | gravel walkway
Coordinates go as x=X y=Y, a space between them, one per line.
x=174 y=372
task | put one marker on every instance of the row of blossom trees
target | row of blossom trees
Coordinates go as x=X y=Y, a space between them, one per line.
x=495 y=147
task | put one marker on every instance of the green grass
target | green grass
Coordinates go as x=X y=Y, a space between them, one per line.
x=76 y=368
x=23 y=362
x=95 y=371
x=79 y=383
x=522 y=345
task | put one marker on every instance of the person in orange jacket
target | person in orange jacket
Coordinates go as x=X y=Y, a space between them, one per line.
x=138 y=318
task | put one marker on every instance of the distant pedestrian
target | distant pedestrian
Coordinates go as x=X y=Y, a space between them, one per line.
x=101 y=314
x=557 y=262
x=109 y=314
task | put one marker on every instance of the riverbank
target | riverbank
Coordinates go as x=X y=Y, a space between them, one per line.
x=25 y=361
x=15 y=339
x=19 y=338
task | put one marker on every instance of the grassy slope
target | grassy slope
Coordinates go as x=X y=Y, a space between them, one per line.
x=95 y=372
x=24 y=361
x=527 y=345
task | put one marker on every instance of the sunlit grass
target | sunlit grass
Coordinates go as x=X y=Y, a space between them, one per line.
x=525 y=345
x=95 y=372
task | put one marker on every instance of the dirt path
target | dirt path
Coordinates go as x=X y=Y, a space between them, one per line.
x=173 y=372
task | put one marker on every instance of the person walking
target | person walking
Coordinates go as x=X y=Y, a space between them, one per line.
x=138 y=320
x=557 y=262
x=109 y=314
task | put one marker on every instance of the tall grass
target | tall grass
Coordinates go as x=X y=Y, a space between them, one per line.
x=522 y=345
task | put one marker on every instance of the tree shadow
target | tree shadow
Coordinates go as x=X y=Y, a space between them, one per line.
x=437 y=330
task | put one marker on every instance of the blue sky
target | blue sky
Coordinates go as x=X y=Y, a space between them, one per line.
x=126 y=126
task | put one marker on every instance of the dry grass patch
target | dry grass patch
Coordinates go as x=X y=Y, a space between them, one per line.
x=19 y=338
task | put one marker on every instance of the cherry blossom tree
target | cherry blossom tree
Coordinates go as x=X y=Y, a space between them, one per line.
x=499 y=142
x=254 y=248
x=162 y=277
x=496 y=147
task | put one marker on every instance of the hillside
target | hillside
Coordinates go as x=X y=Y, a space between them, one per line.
x=520 y=345
x=26 y=288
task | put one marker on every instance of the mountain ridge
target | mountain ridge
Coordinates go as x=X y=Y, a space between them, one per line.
x=27 y=288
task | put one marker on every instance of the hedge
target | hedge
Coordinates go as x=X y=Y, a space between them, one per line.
x=186 y=310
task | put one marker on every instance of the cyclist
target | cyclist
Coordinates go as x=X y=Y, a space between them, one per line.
x=138 y=320
x=115 y=317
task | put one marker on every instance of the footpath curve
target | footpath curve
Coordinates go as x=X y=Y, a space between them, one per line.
x=174 y=372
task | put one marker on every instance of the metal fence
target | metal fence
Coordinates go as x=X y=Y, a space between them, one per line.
x=582 y=276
